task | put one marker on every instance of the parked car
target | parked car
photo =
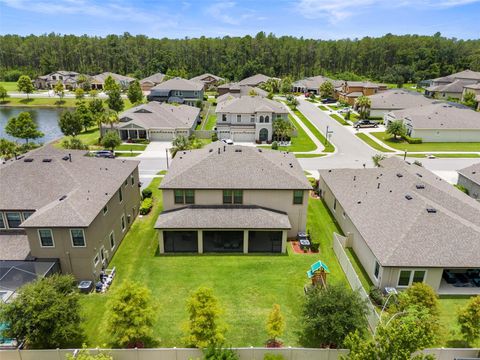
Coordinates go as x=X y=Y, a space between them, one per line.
x=227 y=141
x=365 y=123
x=105 y=154
x=329 y=101
x=345 y=110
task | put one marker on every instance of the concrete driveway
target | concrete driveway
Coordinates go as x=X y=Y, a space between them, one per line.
x=156 y=149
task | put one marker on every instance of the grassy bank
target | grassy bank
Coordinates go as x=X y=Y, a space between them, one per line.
x=372 y=142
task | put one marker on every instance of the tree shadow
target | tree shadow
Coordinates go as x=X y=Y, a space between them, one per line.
x=457 y=343
x=26 y=101
x=3 y=102
x=59 y=102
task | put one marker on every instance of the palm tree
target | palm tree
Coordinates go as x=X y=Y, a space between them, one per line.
x=363 y=104
x=109 y=117
x=377 y=158
x=180 y=143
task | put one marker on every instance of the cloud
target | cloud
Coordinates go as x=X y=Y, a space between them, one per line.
x=229 y=13
x=336 y=11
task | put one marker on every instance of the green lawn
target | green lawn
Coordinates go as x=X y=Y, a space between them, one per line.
x=309 y=155
x=50 y=102
x=134 y=147
x=324 y=108
x=246 y=285
x=122 y=154
x=211 y=122
x=433 y=146
x=300 y=143
x=372 y=143
x=339 y=119
x=445 y=155
x=9 y=85
x=328 y=147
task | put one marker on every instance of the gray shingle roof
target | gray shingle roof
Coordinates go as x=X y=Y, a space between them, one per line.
x=315 y=82
x=400 y=232
x=472 y=173
x=249 y=105
x=179 y=84
x=100 y=78
x=220 y=166
x=223 y=217
x=154 y=79
x=440 y=116
x=87 y=182
x=203 y=76
x=244 y=90
x=395 y=99
x=14 y=245
x=254 y=80
x=159 y=115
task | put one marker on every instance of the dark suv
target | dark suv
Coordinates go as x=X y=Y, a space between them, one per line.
x=365 y=123
x=105 y=154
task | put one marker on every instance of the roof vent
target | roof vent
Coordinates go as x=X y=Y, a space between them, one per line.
x=238 y=150
x=47 y=160
x=378 y=186
x=419 y=175
x=28 y=160
x=408 y=197
x=65 y=158
x=259 y=150
x=211 y=150
x=431 y=210
x=63 y=197
x=420 y=186
x=399 y=175
x=359 y=202
x=354 y=177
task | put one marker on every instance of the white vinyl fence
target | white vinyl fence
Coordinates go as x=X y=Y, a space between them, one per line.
x=352 y=277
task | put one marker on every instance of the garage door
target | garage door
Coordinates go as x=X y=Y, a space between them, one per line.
x=180 y=241
x=265 y=241
x=161 y=135
x=243 y=136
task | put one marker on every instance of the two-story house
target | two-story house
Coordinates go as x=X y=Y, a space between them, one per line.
x=248 y=118
x=177 y=90
x=67 y=78
x=98 y=81
x=64 y=205
x=232 y=199
x=208 y=80
x=453 y=85
x=351 y=90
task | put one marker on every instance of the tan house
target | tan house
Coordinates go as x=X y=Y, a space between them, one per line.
x=64 y=205
x=469 y=178
x=98 y=81
x=312 y=84
x=255 y=80
x=248 y=118
x=67 y=78
x=236 y=90
x=396 y=99
x=474 y=88
x=234 y=199
x=351 y=90
x=208 y=80
x=153 y=80
x=452 y=86
x=407 y=225
x=156 y=121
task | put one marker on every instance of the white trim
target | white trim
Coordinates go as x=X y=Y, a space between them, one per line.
x=40 y=238
x=103 y=210
x=84 y=238
x=4 y=222
x=412 y=273
x=96 y=260
x=120 y=192
x=124 y=227
x=110 y=240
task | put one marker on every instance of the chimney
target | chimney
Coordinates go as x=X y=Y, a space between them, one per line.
x=70 y=157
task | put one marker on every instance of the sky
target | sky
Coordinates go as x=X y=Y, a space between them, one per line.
x=318 y=19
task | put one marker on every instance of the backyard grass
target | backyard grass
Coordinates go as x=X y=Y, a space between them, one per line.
x=372 y=143
x=247 y=285
x=357 y=265
x=210 y=122
x=328 y=145
x=432 y=146
x=339 y=119
x=9 y=85
x=127 y=154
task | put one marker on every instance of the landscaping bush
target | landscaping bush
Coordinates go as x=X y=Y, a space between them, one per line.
x=315 y=246
x=274 y=145
x=219 y=353
x=411 y=140
x=420 y=295
x=214 y=137
x=376 y=296
x=75 y=144
x=146 y=193
x=146 y=206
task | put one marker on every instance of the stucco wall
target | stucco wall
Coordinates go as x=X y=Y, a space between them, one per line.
x=473 y=188
x=281 y=200
x=79 y=261
x=447 y=135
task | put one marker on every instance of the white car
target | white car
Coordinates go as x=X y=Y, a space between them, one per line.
x=227 y=141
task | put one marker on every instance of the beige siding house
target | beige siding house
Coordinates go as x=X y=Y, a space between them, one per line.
x=208 y=80
x=150 y=81
x=98 y=81
x=407 y=225
x=452 y=86
x=69 y=207
x=469 y=178
x=232 y=199
x=396 y=99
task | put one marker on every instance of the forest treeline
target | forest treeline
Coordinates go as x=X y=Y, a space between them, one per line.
x=390 y=58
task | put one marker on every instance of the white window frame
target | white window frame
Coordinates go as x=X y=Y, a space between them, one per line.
x=4 y=222
x=123 y=224
x=102 y=254
x=412 y=273
x=132 y=179
x=23 y=214
x=120 y=194
x=40 y=238
x=375 y=263
x=96 y=259
x=239 y=118
x=84 y=238
x=6 y=219
x=110 y=236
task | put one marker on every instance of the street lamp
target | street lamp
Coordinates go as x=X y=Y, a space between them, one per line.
x=327 y=135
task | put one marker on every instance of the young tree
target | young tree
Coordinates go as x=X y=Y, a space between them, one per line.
x=377 y=158
x=363 y=104
x=469 y=99
x=45 y=313
x=327 y=90
x=469 y=320
x=282 y=128
x=23 y=127
x=79 y=93
x=130 y=315
x=84 y=115
x=93 y=94
x=294 y=103
x=83 y=82
x=421 y=295
x=111 y=140
x=115 y=101
x=110 y=84
x=109 y=117
x=59 y=90
x=7 y=148
x=3 y=93
x=134 y=93
x=286 y=85
x=275 y=324
x=70 y=124
x=330 y=314
x=396 y=128
x=24 y=84
x=203 y=324
x=97 y=110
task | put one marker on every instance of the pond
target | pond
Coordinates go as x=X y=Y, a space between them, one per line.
x=46 y=119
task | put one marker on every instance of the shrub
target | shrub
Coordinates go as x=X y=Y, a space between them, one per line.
x=469 y=320
x=214 y=137
x=269 y=356
x=411 y=140
x=146 y=193
x=461 y=188
x=146 y=206
x=419 y=294
x=74 y=143
x=376 y=296
x=274 y=145
x=219 y=353
x=315 y=246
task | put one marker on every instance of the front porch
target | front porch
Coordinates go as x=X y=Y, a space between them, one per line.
x=133 y=134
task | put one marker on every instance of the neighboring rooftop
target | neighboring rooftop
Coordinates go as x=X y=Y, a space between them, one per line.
x=247 y=104
x=440 y=116
x=220 y=166
x=61 y=192
x=206 y=76
x=100 y=78
x=242 y=90
x=399 y=229
x=14 y=245
x=153 y=79
x=159 y=115
x=178 y=83
x=456 y=86
x=396 y=99
x=315 y=82
x=462 y=75
x=472 y=173
x=255 y=80
x=223 y=217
